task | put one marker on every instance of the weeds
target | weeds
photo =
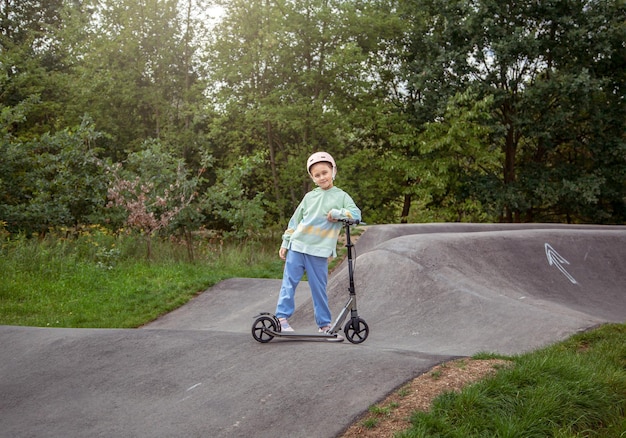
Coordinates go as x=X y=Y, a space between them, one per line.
x=370 y=423
x=436 y=375
x=377 y=412
x=404 y=391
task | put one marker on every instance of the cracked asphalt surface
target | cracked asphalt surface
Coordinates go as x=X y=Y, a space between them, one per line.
x=429 y=293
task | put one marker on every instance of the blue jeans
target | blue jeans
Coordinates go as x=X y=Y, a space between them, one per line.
x=317 y=272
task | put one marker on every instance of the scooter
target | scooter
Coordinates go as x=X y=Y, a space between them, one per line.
x=266 y=326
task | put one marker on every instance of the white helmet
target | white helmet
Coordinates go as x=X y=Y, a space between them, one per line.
x=321 y=157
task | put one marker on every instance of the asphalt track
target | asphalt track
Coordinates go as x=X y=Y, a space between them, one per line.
x=428 y=292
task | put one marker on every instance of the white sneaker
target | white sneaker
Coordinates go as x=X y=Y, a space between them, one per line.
x=284 y=325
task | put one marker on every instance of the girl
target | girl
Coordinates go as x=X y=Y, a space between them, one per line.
x=311 y=238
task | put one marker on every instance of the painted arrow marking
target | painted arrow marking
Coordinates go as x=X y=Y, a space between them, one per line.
x=556 y=259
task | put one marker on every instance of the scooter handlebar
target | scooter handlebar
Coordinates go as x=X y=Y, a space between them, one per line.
x=350 y=221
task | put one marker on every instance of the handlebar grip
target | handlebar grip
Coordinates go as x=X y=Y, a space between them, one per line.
x=350 y=221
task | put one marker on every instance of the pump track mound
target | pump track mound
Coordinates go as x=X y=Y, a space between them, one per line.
x=429 y=293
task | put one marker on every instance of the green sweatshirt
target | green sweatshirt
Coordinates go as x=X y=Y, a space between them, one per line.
x=309 y=231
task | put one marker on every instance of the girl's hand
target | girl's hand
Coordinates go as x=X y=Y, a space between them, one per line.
x=330 y=217
x=282 y=253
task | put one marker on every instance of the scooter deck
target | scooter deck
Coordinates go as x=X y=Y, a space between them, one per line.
x=305 y=335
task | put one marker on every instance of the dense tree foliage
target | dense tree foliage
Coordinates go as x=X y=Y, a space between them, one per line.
x=553 y=74
x=455 y=110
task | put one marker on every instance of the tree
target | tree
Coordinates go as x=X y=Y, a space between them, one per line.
x=36 y=63
x=231 y=201
x=547 y=63
x=134 y=66
x=294 y=77
x=554 y=72
x=51 y=181
x=142 y=73
x=427 y=48
x=151 y=191
x=454 y=154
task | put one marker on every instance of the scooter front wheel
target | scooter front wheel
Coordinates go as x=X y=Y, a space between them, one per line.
x=260 y=329
x=356 y=330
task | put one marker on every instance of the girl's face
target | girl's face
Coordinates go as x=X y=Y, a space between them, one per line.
x=322 y=174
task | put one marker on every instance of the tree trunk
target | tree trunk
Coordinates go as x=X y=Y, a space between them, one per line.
x=406 y=207
x=510 y=149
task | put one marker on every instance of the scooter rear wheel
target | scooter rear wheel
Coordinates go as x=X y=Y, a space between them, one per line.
x=260 y=327
x=356 y=330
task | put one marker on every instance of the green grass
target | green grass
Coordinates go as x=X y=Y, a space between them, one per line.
x=106 y=282
x=576 y=388
x=100 y=280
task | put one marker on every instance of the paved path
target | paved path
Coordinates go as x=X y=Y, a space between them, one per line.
x=428 y=292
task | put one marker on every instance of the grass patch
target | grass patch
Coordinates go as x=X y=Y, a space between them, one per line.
x=370 y=423
x=376 y=413
x=576 y=388
x=100 y=280
x=105 y=282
